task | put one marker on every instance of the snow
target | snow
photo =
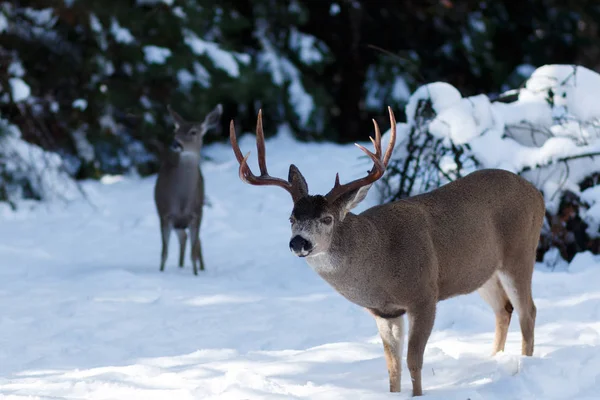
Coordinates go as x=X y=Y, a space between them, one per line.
x=185 y=78
x=42 y=169
x=20 y=90
x=302 y=102
x=95 y=24
x=200 y=76
x=15 y=68
x=573 y=87
x=477 y=23
x=555 y=118
x=306 y=47
x=282 y=71
x=400 y=89
x=334 y=9
x=121 y=34
x=42 y=17
x=225 y=60
x=156 y=55
x=80 y=104
x=3 y=23
x=87 y=314
x=591 y=197
x=84 y=148
x=456 y=123
x=525 y=70
x=442 y=96
x=178 y=11
x=96 y=27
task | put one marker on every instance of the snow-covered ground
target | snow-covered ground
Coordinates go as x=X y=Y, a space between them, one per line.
x=85 y=313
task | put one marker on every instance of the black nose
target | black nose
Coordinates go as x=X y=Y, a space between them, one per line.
x=176 y=146
x=298 y=243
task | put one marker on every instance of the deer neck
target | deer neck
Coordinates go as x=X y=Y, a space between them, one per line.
x=346 y=248
x=182 y=160
x=182 y=172
x=189 y=157
x=348 y=263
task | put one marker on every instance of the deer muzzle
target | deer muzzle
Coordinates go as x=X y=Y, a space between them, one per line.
x=176 y=146
x=300 y=246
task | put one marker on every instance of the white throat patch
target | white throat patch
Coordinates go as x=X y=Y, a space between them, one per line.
x=189 y=154
x=321 y=263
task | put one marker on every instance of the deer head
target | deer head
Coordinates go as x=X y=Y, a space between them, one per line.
x=188 y=135
x=314 y=218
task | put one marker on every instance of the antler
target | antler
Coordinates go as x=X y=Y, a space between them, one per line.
x=246 y=174
x=379 y=165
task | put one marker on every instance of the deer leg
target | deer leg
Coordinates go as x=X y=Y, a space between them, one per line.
x=493 y=293
x=200 y=258
x=421 y=320
x=392 y=335
x=165 y=230
x=519 y=293
x=182 y=241
x=196 y=249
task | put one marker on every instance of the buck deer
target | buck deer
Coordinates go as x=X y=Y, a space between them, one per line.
x=479 y=232
x=179 y=189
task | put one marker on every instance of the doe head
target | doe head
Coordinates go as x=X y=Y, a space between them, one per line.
x=188 y=135
x=314 y=218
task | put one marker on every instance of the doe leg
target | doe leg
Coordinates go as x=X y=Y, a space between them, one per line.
x=182 y=242
x=421 y=320
x=196 y=247
x=392 y=335
x=165 y=230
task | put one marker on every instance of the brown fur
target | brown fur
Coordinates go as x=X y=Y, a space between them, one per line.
x=410 y=254
x=479 y=232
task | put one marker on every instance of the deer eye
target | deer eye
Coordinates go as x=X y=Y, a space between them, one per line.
x=327 y=220
x=193 y=132
x=292 y=220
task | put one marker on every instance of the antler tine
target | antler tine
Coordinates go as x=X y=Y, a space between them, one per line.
x=379 y=165
x=234 y=144
x=392 y=144
x=377 y=141
x=373 y=156
x=260 y=145
x=245 y=172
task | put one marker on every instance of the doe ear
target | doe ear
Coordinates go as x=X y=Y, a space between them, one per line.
x=212 y=118
x=177 y=119
x=299 y=185
x=351 y=199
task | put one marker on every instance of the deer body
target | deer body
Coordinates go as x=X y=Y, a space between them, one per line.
x=479 y=233
x=179 y=191
x=437 y=245
x=179 y=188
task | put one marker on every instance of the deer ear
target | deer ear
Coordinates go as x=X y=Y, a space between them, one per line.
x=212 y=119
x=299 y=185
x=177 y=119
x=353 y=198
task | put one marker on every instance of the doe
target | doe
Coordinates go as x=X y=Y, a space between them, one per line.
x=179 y=188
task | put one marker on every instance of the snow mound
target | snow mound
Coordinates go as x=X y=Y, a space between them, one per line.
x=42 y=170
x=546 y=134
